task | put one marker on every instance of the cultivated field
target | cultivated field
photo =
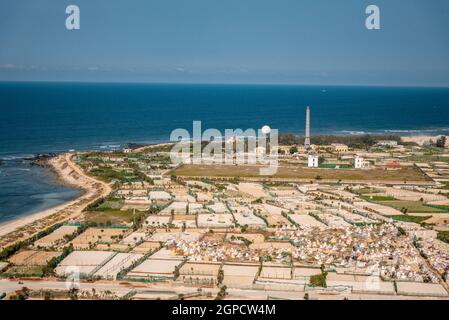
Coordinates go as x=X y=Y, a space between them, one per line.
x=411 y=206
x=246 y=171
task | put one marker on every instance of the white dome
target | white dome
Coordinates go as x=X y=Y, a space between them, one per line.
x=266 y=129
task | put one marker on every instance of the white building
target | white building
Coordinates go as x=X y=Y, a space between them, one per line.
x=360 y=163
x=387 y=143
x=313 y=161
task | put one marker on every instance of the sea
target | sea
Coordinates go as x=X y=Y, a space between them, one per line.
x=38 y=118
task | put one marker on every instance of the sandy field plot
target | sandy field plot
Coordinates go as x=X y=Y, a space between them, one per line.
x=402 y=194
x=273 y=215
x=182 y=195
x=250 y=220
x=205 y=269
x=253 y=189
x=302 y=273
x=3 y=265
x=157 y=220
x=383 y=210
x=155 y=268
x=94 y=235
x=421 y=289
x=253 y=237
x=333 y=220
x=276 y=220
x=204 y=196
x=285 y=193
x=133 y=192
x=239 y=275
x=165 y=254
x=306 y=220
x=146 y=247
x=276 y=272
x=350 y=217
x=134 y=237
x=33 y=258
x=118 y=247
x=56 y=237
x=273 y=209
x=136 y=206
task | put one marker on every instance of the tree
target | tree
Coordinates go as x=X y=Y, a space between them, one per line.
x=220 y=276
x=293 y=150
x=73 y=294
x=441 y=142
x=321 y=159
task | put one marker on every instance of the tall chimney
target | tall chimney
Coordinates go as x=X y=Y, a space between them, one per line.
x=307 y=140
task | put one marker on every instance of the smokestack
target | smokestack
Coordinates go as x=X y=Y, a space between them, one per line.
x=307 y=140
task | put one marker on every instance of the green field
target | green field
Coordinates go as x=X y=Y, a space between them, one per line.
x=25 y=271
x=407 y=218
x=411 y=206
x=443 y=236
x=110 y=217
x=377 y=198
x=246 y=171
x=364 y=191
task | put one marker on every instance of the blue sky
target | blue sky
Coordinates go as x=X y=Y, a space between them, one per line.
x=227 y=41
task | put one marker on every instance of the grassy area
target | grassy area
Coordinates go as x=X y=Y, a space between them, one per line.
x=378 y=198
x=412 y=206
x=246 y=171
x=108 y=174
x=25 y=271
x=407 y=218
x=428 y=158
x=319 y=280
x=438 y=207
x=443 y=236
x=363 y=191
x=111 y=217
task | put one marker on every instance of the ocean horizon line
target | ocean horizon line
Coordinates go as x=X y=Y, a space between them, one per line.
x=243 y=84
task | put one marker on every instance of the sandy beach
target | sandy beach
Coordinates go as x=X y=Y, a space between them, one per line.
x=69 y=173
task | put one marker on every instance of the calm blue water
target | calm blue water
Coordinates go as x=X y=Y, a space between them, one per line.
x=46 y=117
x=25 y=188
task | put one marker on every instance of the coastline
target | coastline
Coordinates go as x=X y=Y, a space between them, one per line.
x=68 y=173
x=88 y=186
